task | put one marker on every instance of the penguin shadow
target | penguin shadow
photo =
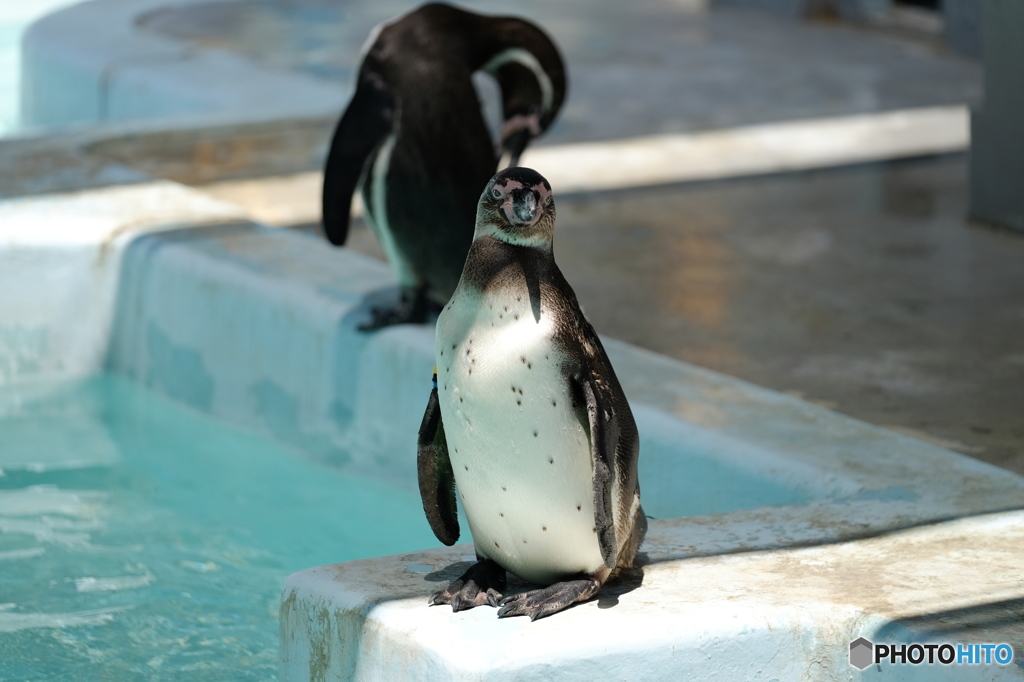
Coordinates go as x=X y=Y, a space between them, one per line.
x=625 y=582
x=362 y=312
x=384 y=298
x=449 y=573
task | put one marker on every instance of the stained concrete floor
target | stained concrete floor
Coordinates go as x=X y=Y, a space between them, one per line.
x=863 y=289
x=635 y=68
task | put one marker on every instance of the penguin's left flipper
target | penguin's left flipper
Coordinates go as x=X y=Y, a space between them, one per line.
x=434 y=470
x=364 y=125
x=604 y=439
x=482 y=584
x=543 y=602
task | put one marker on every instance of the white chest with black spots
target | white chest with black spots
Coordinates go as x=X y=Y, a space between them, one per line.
x=520 y=454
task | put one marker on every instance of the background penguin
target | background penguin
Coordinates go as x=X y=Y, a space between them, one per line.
x=527 y=419
x=414 y=134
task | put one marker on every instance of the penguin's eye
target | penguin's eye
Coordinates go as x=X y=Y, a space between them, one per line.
x=495 y=193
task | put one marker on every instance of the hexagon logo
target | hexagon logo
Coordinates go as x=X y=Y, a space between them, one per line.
x=861 y=653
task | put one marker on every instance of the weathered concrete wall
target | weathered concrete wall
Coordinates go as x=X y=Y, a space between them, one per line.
x=787 y=8
x=858 y=10
x=963 y=25
x=997 y=134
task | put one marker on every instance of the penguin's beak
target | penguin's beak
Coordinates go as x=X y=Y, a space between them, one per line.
x=515 y=143
x=522 y=208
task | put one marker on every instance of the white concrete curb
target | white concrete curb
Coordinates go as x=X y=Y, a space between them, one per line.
x=752 y=150
x=60 y=259
x=744 y=610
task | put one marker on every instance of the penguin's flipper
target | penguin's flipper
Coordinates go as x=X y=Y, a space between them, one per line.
x=437 y=480
x=366 y=122
x=604 y=438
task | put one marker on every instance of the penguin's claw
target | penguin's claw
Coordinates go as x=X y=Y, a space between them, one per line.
x=546 y=601
x=438 y=598
x=471 y=596
x=475 y=588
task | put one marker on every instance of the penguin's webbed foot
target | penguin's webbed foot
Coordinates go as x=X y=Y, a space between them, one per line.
x=413 y=308
x=543 y=602
x=482 y=584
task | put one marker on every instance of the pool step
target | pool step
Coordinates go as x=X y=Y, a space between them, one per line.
x=734 y=597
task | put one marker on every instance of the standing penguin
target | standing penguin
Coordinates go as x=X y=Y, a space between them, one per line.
x=416 y=138
x=527 y=420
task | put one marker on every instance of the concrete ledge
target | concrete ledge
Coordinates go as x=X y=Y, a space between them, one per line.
x=294 y=199
x=92 y=63
x=712 y=603
x=752 y=150
x=257 y=326
x=195 y=149
x=59 y=270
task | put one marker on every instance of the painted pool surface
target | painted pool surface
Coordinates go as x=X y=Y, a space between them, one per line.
x=159 y=538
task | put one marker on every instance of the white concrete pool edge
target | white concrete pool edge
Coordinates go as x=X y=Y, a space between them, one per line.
x=60 y=260
x=738 y=612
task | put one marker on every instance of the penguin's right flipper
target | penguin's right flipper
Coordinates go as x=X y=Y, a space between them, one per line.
x=437 y=480
x=366 y=122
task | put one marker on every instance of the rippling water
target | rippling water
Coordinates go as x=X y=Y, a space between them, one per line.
x=141 y=540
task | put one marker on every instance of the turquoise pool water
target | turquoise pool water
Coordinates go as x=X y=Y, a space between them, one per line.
x=142 y=540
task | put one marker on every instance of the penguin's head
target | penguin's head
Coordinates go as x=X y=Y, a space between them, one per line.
x=517 y=207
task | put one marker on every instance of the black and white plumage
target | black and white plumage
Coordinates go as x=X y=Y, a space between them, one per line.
x=528 y=421
x=414 y=135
